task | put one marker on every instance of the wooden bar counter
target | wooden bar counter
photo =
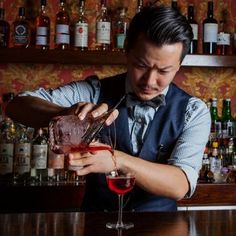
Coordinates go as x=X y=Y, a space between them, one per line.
x=183 y=223
x=68 y=197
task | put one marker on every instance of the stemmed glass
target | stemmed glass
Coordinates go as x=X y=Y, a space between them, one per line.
x=120 y=183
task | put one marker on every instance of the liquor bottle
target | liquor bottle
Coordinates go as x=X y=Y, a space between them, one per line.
x=21 y=31
x=4 y=30
x=81 y=29
x=6 y=97
x=227 y=119
x=62 y=34
x=223 y=37
x=174 y=5
x=139 y=6
x=103 y=28
x=22 y=157
x=215 y=120
x=210 y=31
x=121 y=25
x=39 y=155
x=7 y=137
x=56 y=166
x=42 y=28
x=215 y=161
x=193 y=45
x=234 y=40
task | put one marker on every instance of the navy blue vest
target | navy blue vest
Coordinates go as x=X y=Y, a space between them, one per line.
x=159 y=141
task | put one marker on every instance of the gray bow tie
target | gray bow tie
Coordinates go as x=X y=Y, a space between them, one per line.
x=132 y=100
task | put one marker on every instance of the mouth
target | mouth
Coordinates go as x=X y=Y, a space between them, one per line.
x=149 y=91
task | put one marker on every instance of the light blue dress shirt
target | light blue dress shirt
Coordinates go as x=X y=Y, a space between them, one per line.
x=190 y=146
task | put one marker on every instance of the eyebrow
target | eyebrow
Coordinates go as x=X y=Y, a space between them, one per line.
x=141 y=61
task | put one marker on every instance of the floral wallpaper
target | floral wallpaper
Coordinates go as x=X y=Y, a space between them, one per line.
x=201 y=82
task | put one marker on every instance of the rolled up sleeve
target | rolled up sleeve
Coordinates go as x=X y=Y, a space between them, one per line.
x=190 y=146
x=78 y=91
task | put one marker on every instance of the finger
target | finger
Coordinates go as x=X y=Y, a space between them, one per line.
x=84 y=171
x=83 y=110
x=99 y=110
x=112 y=117
x=82 y=162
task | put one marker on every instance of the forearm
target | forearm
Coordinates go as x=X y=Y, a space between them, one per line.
x=32 y=111
x=159 y=179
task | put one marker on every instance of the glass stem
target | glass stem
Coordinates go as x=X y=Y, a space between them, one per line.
x=120 y=222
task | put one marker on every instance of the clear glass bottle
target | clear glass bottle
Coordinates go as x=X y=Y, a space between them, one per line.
x=194 y=43
x=21 y=31
x=121 y=26
x=81 y=29
x=56 y=164
x=42 y=27
x=4 y=30
x=210 y=31
x=39 y=155
x=103 y=28
x=22 y=157
x=62 y=34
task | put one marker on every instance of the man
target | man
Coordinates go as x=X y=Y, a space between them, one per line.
x=161 y=144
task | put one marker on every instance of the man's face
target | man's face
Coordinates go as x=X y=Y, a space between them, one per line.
x=150 y=68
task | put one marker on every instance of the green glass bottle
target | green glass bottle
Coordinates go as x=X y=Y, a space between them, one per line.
x=227 y=119
x=215 y=120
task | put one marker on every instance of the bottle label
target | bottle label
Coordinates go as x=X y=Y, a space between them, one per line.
x=6 y=158
x=103 y=32
x=41 y=40
x=39 y=156
x=21 y=34
x=210 y=32
x=41 y=35
x=62 y=29
x=227 y=129
x=22 y=158
x=62 y=34
x=120 y=40
x=195 y=31
x=223 y=39
x=81 y=34
x=62 y=38
x=43 y=31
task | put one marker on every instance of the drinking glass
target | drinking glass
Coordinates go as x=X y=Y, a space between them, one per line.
x=121 y=184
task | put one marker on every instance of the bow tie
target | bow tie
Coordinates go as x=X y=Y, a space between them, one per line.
x=132 y=100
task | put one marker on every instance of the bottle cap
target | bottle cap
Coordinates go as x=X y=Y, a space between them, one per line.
x=215 y=144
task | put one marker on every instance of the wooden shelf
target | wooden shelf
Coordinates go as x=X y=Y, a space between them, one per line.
x=212 y=195
x=31 y=55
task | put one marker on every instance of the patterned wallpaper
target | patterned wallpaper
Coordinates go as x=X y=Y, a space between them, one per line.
x=201 y=82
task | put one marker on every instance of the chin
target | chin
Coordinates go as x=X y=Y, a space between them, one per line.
x=145 y=97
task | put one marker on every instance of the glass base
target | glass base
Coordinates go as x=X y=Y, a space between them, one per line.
x=119 y=226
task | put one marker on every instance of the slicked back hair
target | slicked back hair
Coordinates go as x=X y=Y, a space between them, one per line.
x=162 y=25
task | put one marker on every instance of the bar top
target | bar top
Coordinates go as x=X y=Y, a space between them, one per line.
x=183 y=223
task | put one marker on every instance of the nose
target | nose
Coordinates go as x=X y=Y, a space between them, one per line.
x=151 y=76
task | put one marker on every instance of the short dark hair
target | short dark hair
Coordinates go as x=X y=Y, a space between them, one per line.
x=162 y=25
